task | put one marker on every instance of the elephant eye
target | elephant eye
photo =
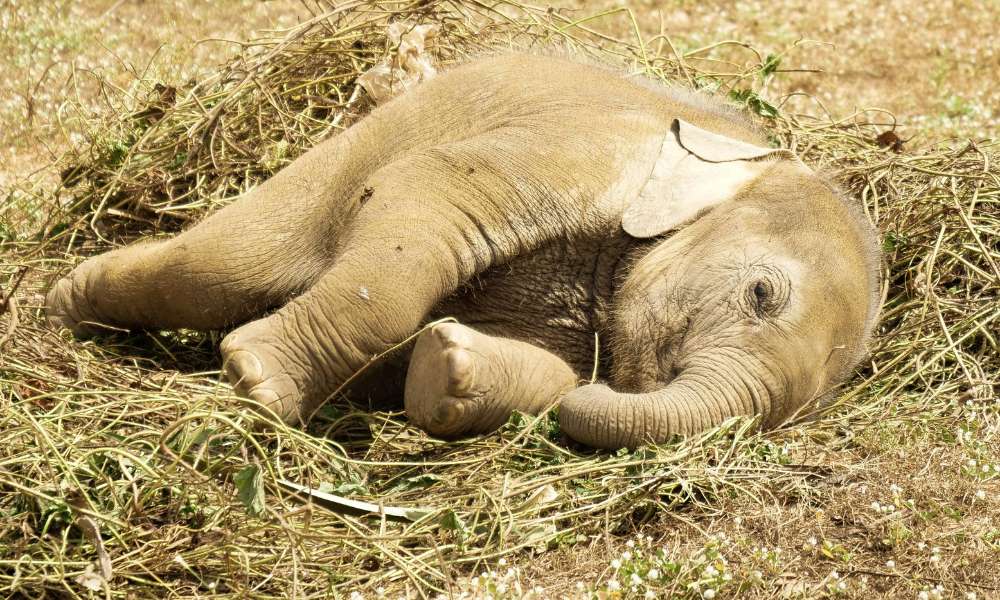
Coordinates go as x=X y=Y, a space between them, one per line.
x=761 y=292
x=764 y=298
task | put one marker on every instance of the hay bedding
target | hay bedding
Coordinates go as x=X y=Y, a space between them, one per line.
x=126 y=470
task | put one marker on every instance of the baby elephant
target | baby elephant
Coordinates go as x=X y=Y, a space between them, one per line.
x=548 y=206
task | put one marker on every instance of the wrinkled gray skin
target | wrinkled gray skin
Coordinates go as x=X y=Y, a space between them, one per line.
x=539 y=201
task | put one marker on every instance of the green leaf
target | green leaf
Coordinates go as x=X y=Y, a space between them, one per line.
x=754 y=102
x=7 y=232
x=771 y=63
x=250 y=488
x=452 y=522
x=893 y=240
x=517 y=420
x=345 y=488
x=417 y=482
x=763 y=107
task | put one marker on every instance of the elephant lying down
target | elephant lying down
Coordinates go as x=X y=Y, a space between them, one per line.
x=540 y=202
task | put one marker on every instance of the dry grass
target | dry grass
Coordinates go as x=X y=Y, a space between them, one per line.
x=933 y=64
x=62 y=60
x=129 y=448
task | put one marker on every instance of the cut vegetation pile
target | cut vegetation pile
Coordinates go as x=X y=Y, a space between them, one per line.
x=128 y=470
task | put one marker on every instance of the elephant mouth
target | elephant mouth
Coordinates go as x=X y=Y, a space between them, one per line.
x=648 y=374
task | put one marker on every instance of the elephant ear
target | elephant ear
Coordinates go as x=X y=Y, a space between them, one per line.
x=694 y=171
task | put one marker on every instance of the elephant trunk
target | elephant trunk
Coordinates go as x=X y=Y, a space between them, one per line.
x=697 y=399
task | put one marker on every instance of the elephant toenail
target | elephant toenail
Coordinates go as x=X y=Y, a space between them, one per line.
x=267 y=398
x=243 y=369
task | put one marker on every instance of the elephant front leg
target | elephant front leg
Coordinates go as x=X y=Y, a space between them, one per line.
x=461 y=381
x=426 y=225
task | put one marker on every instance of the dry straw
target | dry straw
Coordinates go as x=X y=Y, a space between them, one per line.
x=130 y=449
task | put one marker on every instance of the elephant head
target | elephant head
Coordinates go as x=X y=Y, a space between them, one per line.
x=760 y=301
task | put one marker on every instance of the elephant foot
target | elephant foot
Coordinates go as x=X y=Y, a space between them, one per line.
x=67 y=305
x=461 y=381
x=260 y=367
x=61 y=311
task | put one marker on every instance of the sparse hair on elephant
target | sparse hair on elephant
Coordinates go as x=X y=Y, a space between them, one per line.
x=543 y=203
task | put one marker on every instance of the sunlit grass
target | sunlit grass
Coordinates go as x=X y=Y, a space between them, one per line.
x=129 y=449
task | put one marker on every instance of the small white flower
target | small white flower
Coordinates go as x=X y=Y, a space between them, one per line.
x=627 y=555
x=835 y=575
x=894 y=489
x=502 y=562
x=380 y=592
x=650 y=594
x=980 y=494
x=630 y=543
x=935 y=558
x=653 y=574
x=356 y=596
x=972 y=463
x=921 y=546
x=635 y=579
x=616 y=564
x=614 y=586
x=842 y=585
x=579 y=586
x=812 y=541
x=876 y=506
x=970 y=596
x=708 y=594
x=923 y=595
x=890 y=564
x=711 y=571
x=649 y=538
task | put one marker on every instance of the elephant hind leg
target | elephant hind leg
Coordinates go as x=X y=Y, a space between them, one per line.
x=229 y=268
x=461 y=381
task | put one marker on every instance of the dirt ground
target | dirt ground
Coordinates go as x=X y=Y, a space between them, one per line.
x=54 y=50
x=935 y=66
